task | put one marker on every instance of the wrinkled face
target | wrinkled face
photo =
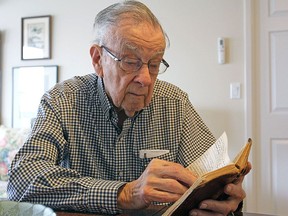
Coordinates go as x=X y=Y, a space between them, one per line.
x=130 y=92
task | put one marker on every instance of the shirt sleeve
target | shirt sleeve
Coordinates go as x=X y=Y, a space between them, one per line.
x=40 y=172
x=196 y=137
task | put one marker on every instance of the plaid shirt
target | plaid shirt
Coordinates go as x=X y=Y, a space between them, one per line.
x=77 y=158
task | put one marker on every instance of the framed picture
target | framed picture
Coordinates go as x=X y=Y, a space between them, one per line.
x=36 y=38
x=28 y=86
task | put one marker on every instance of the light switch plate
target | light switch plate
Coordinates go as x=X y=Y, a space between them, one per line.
x=235 y=90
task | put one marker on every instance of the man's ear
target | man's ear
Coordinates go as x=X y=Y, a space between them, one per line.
x=96 y=55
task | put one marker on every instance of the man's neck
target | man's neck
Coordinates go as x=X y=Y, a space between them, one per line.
x=121 y=117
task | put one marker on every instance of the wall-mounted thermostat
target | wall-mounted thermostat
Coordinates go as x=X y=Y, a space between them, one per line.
x=221 y=50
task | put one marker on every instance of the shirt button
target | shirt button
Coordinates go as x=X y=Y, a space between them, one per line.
x=120 y=173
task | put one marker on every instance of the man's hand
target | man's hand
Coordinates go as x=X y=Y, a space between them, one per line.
x=162 y=181
x=220 y=208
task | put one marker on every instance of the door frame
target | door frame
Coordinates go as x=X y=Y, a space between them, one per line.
x=250 y=27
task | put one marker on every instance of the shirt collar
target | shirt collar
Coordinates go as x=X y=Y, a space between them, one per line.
x=106 y=105
x=104 y=100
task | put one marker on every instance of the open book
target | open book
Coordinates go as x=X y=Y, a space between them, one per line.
x=215 y=170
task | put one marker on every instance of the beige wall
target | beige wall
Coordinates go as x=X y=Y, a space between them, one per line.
x=193 y=27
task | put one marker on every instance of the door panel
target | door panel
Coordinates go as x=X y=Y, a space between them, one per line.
x=272 y=106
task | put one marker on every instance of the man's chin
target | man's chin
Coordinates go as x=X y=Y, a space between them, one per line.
x=130 y=114
x=134 y=109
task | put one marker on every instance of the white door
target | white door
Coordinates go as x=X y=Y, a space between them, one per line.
x=271 y=107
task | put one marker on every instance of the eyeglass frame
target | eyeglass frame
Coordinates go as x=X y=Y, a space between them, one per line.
x=115 y=58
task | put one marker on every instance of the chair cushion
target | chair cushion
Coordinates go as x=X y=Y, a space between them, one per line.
x=11 y=139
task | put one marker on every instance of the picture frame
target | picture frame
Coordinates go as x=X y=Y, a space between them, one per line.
x=29 y=83
x=36 y=37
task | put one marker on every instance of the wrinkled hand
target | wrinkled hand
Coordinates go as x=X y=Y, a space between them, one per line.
x=162 y=181
x=220 y=208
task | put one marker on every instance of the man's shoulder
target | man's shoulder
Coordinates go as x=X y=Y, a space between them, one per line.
x=77 y=84
x=168 y=90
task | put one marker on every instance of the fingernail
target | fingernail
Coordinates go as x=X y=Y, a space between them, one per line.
x=228 y=188
x=193 y=213
x=203 y=206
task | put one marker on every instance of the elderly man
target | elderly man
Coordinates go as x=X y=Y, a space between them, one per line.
x=83 y=152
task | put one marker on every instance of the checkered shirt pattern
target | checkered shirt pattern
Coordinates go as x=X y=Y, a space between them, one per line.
x=77 y=158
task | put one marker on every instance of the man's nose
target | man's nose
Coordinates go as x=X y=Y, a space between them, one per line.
x=144 y=76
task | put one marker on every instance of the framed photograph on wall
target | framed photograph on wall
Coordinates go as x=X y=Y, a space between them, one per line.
x=28 y=86
x=36 y=37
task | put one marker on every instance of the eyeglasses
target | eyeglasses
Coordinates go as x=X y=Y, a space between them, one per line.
x=134 y=64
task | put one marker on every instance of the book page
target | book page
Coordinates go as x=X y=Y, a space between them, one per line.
x=215 y=157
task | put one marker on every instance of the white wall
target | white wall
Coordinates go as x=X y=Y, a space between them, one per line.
x=193 y=27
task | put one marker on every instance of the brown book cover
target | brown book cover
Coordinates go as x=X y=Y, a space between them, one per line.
x=211 y=185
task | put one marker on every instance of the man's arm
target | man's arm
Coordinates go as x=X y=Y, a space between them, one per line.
x=41 y=171
x=195 y=142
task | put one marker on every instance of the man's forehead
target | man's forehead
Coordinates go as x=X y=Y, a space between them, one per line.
x=128 y=45
x=130 y=32
x=138 y=43
x=141 y=38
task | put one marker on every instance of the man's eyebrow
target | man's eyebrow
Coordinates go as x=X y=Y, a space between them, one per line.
x=134 y=46
x=159 y=52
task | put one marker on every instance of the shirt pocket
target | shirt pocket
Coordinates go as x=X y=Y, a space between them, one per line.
x=168 y=157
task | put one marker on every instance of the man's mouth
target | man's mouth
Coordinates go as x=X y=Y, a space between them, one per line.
x=136 y=94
